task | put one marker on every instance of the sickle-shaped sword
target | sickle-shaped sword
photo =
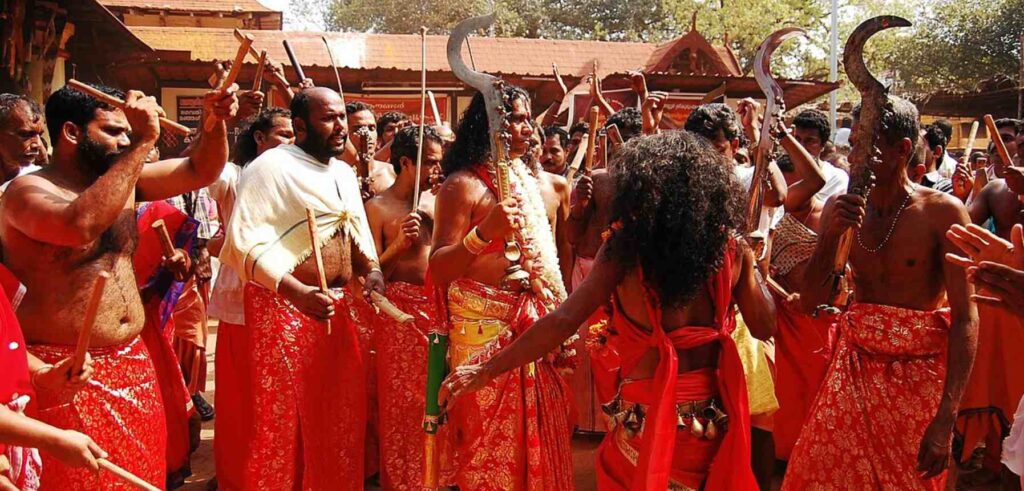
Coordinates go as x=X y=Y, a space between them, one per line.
x=874 y=99
x=775 y=106
x=492 y=89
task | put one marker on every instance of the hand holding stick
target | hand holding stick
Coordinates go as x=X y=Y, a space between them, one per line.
x=997 y=140
x=588 y=164
x=91 y=308
x=110 y=100
x=318 y=259
x=258 y=79
x=126 y=476
x=166 y=246
x=236 y=66
x=381 y=303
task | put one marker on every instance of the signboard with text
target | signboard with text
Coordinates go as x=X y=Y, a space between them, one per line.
x=408 y=104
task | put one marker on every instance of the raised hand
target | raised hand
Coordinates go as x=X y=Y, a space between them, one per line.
x=143 y=115
x=250 y=103
x=223 y=103
x=501 y=220
x=847 y=211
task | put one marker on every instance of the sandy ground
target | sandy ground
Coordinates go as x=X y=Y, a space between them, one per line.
x=584 y=450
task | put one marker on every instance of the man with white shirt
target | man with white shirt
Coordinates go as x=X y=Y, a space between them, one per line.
x=812 y=130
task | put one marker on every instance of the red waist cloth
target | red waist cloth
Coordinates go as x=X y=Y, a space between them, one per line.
x=881 y=392
x=995 y=386
x=619 y=453
x=803 y=351
x=120 y=408
x=514 y=434
x=366 y=320
x=309 y=397
x=233 y=400
x=401 y=378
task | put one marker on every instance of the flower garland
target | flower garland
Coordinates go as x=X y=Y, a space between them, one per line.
x=536 y=239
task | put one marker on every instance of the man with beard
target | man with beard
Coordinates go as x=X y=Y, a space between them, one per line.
x=62 y=226
x=555 y=159
x=513 y=434
x=21 y=136
x=402 y=236
x=901 y=353
x=363 y=123
x=996 y=385
x=308 y=426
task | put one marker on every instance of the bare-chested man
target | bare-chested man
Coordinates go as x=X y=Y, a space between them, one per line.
x=21 y=135
x=363 y=121
x=402 y=236
x=901 y=353
x=493 y=431
x=65 y=224
x=388 y=124
x=308 y=424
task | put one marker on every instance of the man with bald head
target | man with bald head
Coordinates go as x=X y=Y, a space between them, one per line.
x=308 y=388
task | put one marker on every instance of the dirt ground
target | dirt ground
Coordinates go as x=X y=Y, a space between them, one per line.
x=584 y=451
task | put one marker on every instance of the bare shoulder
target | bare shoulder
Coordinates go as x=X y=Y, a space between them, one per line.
x=461 y=186
x=559 y=183
x=37 y=182
x=942 y=210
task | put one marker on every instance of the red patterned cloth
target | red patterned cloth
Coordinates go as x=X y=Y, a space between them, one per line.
x=401 y=380
x=803 y=351
x=365 y=320
x=309 y=397
x=120 y=408
x=663 y=454
x=514 y=434
x=881 y=392
x=15 y=384
x=233 y=399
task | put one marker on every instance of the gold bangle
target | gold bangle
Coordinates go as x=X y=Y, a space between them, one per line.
x=473 y=243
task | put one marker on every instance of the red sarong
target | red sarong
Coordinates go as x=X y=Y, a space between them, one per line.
x=233 y=399
x=365 y=320
x=663 y=452
x=120 y=408
x=309 y=397
x=881 y=392
x=401 y=379
x=803 y=351
x=995 y=386
x=514 y=434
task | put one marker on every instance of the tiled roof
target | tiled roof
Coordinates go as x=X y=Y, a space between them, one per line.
x=520 y=56
x=190 y=5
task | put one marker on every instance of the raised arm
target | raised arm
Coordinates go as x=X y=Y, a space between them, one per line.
x=933 y=456
x=449 y=258
x=172 y=177
x=812 y=179
x=546 y=334
x=37 y=208
x=752 y=296
x=551 y=113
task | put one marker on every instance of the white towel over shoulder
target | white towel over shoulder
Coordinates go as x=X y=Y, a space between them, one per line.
x=267 y=236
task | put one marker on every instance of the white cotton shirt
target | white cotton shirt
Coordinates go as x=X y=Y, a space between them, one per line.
x=836 y=181
x=227 y=301
x=770 y=216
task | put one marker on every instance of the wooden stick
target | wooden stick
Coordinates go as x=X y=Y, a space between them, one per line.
x=166 y=245
x=433 y=108
x=386 y=307
x=970 y=141
x=126 y=476
x=236 y=67
x=318 y=259
x=588 y=163
x=91 y=308
x=258 y=79
x=423 y=117
x=993 y=134
x=172 y=126
x=295 y=61
x=577 y=159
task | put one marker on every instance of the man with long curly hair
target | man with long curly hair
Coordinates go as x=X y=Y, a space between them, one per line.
x=673 y=267
x=513 y=434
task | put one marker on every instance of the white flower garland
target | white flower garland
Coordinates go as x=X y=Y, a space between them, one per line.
x=536 y=237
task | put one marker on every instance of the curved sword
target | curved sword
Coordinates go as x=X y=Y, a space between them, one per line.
x=874 y=99
x=775 y=106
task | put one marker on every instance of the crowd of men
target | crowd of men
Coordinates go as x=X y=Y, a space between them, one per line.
x=625 y=296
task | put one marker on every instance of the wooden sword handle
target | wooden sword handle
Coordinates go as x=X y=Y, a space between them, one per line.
x=318 y=259
x=167 y=124
x=91 y=308
x=993 y=134
x=166 y=246
x=236 y=67
x=386 y=307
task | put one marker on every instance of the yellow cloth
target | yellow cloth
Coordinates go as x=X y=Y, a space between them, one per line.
x=267 y=236
x=754 y=354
